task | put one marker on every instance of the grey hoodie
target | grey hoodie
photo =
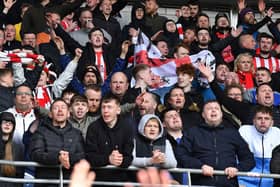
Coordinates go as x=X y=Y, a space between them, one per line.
x=170 y=161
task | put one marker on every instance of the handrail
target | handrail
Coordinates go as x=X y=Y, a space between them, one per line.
x=61 y=181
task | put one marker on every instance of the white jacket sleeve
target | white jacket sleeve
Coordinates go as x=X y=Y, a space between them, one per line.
x=64 y=78
x=18 y=72
x=170 y=160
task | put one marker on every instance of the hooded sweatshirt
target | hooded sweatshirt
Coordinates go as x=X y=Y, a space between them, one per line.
x=143 y=146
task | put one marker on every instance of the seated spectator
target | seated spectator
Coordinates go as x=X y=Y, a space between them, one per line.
x=11 y=150
x=151 y=148
x=109 y=141
x=210 y=146
x=56 y=142
x=262 y=138
x=244 y=67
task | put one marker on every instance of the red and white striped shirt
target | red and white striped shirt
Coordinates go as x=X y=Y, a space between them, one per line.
x=270 y=63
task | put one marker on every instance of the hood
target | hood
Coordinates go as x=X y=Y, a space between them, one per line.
x=143 y=122
x=133 y=11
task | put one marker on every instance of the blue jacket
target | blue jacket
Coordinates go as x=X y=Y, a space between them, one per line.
x=261 y=145
x=218 y=147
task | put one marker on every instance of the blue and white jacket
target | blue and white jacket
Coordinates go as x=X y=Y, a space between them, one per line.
x=261 y=145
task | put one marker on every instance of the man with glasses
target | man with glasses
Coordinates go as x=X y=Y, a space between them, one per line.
x=22 y=111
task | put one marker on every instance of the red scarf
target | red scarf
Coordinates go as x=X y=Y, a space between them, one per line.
x=246 y=79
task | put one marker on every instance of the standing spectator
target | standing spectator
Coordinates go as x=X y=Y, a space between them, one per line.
x=23 y=112
x=79 y=117
x=211 y=146
x=244 y=67
x=137 y=21
x=184 y=16
x=153 y=19
x=109 y=141
x=262 y=138
x=94 y=96
x=195 y=9
x=56 y=142
x=151 y=148
x=11 y=150
x=266 y=57
x=107 y=22
x=10 y=41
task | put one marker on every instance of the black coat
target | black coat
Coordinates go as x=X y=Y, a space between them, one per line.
x=88 y=56
x=48 y=141
x=102 y=140
x=218 y=147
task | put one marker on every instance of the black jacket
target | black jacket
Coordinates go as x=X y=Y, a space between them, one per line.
x=242 y=110
x=48 y=141
x=102 y=140
x=218 y=147
x=88 y=56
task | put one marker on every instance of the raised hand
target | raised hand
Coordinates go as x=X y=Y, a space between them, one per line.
x=9 y=3
x=261 y=6
x=241 y=4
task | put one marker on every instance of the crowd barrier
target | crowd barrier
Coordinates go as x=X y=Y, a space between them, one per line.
x=61 y=181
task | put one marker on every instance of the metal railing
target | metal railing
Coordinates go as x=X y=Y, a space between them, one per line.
x=61 y=181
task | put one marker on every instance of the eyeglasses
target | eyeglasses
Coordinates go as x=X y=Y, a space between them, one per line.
x=23 y=93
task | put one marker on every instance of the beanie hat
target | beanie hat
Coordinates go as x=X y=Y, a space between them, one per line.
x=244 y=11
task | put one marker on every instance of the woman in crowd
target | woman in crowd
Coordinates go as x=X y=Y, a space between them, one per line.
x=243 y=66
x=11 y=151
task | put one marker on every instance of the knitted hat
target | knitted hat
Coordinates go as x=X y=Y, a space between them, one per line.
x=244 y=11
